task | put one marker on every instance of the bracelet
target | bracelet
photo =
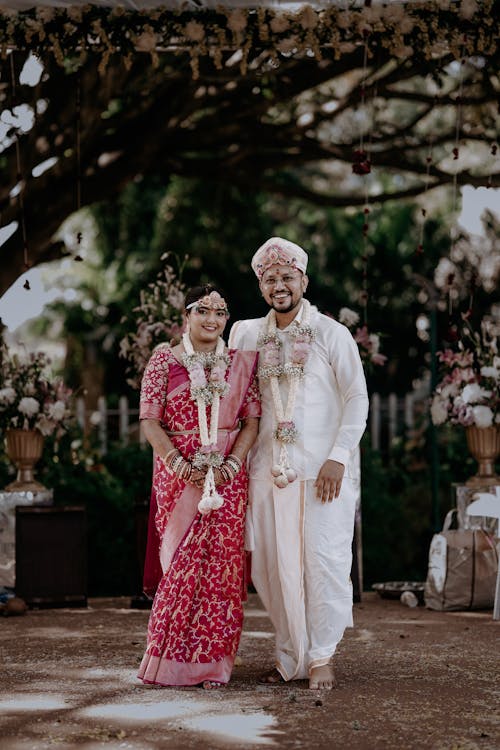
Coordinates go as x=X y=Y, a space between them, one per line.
x=185 y=471
x=230 y=468
x=234 y=462
x=175 y=463
x=226 y=473
x=169 y=455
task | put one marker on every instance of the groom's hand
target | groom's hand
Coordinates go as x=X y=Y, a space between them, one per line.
x=329 y=481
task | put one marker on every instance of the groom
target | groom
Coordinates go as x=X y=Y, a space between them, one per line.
x=303 y=490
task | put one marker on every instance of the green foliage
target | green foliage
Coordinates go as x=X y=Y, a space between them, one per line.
x=395 y=520
x=397 y=513
x=219 y=227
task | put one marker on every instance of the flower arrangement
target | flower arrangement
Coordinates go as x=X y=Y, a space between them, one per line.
x=29 y=398
x=368 y=343
x=469 y=390
x=157 y=319
x=431 y=28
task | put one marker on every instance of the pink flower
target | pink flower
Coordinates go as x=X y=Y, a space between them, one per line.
x=450 y=358
x=363 y=337
x=378 y=359
x=286 y=425
x=271 y=355
x=212 y=448
x=217 y=373
x=197 y=376
x=300 y=352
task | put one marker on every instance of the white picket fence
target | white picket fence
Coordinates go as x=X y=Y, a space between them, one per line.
x=390 y=417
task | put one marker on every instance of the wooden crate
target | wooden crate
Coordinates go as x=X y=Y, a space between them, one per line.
x=51 y=556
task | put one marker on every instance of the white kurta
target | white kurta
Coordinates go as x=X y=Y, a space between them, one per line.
x=301 y=548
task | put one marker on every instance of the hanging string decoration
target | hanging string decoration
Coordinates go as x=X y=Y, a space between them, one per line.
x=362 y=166
x=456 y=156
x=19 y=174
x=423 y=209
x=78 y=122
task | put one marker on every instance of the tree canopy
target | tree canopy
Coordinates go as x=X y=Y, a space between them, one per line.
x=337 y=107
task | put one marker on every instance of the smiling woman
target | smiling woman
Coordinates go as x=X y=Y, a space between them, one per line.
x=199 y=409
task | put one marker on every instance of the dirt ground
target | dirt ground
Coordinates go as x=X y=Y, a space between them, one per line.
x=407 y=678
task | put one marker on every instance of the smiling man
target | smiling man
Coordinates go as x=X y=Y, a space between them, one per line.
x=302 y=492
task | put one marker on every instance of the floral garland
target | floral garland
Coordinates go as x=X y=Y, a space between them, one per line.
x=430 y=29
x=272 y=368
x=205 y=391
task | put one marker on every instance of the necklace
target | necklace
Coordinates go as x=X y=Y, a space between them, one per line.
x=272 y=368
x=204 y=391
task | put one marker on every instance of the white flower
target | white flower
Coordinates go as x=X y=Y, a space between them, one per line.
x=439 y=412
x=446 y=272
x=45 y=425
x=22 y=359
x=450 y=390
x=375 y=342
x=57 y=410
x=490 y=372
x=7 y=396
x=348 y=317
x=95 y=418
x=472 y=393
x=29 y=406
x=483 y=416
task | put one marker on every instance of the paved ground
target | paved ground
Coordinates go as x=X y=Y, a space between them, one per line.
x=408 y=678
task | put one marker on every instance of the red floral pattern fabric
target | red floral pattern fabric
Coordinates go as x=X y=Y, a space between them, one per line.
x=197 y=613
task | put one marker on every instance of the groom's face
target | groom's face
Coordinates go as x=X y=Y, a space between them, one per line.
x=283 y=287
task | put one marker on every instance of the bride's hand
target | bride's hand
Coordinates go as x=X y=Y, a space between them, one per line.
x=197 y=477
x=218 y=478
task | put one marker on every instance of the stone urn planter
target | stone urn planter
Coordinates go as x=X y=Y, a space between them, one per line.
x=484 y=445
x=24 y=448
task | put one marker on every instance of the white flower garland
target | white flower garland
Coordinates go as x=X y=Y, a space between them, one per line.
x=272 y=368
x=206 y=392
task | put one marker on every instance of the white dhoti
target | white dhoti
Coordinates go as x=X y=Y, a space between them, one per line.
x=301 y=564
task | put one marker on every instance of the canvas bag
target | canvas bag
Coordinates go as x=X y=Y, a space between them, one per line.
x=462 y=569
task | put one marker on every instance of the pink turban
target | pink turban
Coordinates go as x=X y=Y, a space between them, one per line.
x=277 y=251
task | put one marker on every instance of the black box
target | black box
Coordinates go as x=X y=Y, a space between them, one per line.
x=51 y=555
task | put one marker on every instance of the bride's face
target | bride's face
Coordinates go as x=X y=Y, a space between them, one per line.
x=206 y=324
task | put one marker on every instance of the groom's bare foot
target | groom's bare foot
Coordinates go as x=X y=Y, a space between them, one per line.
x=322 y=678
x=271 y=677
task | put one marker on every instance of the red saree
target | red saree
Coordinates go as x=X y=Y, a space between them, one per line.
x=195 y=562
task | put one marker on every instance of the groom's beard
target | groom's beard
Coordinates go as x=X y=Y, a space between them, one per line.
x=293 y=305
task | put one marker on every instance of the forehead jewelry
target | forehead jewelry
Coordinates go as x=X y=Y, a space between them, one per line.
x=212 y=301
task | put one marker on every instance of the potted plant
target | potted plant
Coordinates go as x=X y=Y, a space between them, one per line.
x=33 y=405
x=468 y=394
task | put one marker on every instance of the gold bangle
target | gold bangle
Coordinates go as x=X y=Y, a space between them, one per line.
x=169 y=455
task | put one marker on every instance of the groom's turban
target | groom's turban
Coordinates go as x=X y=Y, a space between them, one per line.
x=277 y=251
